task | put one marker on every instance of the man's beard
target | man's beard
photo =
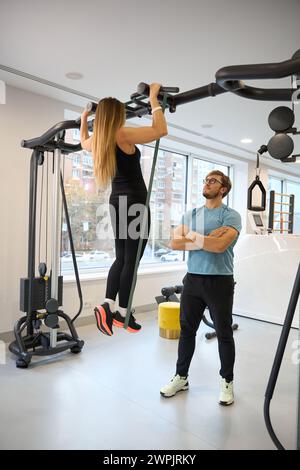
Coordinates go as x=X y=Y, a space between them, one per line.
x=210 y=196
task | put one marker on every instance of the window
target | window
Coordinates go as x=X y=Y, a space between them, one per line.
x=76 y=135
x=275 y=184
x=76 y=160
x=177 y=185
x=87 y=174
x=177 y=165
x=285 y=186
x=76 y=174
x=89 y=211
x=87 y=160
x=294 y=188
x=164 y=212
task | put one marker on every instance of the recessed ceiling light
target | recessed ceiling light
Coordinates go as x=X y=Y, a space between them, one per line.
x=74 y=75
x=246 y=140
x=206 y=126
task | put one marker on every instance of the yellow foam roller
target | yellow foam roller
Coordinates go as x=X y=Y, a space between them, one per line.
x=168 y=320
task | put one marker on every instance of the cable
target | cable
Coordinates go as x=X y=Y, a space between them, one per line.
x=72 y=248
x=47 y=209
x=41 y=207
x=269 y=424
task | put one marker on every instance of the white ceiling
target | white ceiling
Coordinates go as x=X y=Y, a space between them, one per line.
x=116 y=44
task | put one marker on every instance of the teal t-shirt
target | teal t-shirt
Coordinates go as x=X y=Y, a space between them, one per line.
x=204 y=221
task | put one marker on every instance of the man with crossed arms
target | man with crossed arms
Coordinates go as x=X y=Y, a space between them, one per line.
x=209 y=233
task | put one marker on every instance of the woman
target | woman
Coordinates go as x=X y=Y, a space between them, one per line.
x=117 y=161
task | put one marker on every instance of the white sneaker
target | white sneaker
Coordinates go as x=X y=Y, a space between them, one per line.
x=226 y=393
x=176 y=385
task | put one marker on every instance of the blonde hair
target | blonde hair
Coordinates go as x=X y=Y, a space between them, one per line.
x=110 y=116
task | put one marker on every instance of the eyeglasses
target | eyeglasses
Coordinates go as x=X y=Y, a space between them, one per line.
x=211 y=181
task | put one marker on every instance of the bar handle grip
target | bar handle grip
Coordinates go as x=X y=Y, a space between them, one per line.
x=91 y=107
x=144 y=89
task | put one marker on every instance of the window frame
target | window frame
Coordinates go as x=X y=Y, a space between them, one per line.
x=284 y=180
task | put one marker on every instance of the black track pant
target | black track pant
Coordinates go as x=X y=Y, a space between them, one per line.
x=215 y=292
x=126 y=229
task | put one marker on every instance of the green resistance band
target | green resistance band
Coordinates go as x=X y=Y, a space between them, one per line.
x=143 y=227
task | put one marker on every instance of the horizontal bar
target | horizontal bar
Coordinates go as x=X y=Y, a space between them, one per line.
x=227 y=79
x=144 y=89
x=65 y=147
x=198 y=93
x=281 y=212
x=50 y=134
x=263 y=94
x=91 y=107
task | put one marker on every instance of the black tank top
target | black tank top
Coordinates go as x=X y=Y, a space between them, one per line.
x=128 y=178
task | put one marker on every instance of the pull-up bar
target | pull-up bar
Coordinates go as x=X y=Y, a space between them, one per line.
x=229 y=78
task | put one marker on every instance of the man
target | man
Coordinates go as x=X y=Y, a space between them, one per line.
x=209 y=233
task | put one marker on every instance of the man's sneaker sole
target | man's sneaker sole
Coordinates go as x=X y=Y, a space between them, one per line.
x=100 y=315
x=186 y=387
x=226 y=403
x=119 y=324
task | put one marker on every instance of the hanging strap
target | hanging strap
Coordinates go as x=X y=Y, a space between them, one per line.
x=257 y=183
x=69 y=228
x=143 y=225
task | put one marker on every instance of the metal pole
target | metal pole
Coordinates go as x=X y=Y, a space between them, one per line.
x=56 y=234
x=298 y=422
x=278 y=360
x=34 y=162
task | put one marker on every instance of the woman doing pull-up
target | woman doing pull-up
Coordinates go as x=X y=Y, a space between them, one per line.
x=117 y=161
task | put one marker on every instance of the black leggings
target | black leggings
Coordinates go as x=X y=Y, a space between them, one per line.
x=125 y=217
x=216 y=293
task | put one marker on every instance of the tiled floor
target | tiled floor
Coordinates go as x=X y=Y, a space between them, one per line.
x=108 y=396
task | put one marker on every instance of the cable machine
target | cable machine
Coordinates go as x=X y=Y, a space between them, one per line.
x=41 y=296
